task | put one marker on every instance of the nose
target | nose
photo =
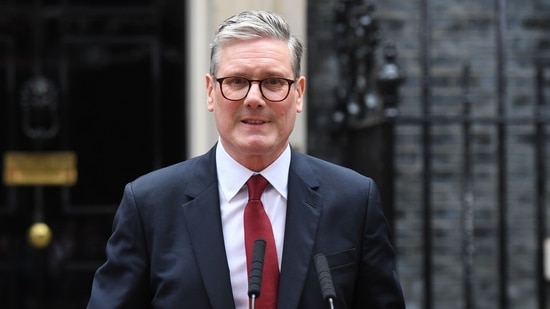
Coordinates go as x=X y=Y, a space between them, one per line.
x=254 y=96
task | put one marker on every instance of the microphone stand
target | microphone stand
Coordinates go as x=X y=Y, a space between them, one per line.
x=253 y=301
x=331 y=303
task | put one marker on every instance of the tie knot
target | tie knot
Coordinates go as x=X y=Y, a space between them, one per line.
x=256 y=186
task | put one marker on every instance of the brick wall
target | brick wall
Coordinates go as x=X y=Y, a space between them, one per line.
x=462 y=32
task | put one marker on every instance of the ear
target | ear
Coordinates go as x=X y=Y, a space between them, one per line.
x=210 y=85
x=300 y=92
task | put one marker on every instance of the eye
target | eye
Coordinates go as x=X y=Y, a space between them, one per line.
x=236 y=81
x=272 y=81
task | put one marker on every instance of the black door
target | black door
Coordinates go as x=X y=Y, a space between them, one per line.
x=99 y=82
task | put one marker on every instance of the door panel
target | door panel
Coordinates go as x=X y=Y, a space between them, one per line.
x=114 y=72
x=115 y=113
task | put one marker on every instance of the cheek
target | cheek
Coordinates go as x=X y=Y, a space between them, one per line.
x=223 y=113
x=288 y=117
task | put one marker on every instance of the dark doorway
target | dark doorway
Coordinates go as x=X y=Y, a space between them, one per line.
x=103 y=80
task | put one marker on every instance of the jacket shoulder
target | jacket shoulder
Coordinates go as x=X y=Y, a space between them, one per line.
x=326 y=170
x=177 y=176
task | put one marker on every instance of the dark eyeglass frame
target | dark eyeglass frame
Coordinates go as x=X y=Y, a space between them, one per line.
x=259 y=81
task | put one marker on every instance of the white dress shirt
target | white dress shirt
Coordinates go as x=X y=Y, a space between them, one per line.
x=232 y=178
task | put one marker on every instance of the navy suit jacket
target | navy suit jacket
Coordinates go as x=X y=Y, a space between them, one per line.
x=167 y=249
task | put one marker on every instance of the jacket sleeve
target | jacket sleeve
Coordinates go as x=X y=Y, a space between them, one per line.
x=378 y=286
x=122 y=281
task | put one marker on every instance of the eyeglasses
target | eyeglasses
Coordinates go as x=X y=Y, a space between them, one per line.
x=235 y=88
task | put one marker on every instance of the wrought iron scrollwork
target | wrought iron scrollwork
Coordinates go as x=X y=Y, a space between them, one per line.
x=39 y=109
x=364 y=92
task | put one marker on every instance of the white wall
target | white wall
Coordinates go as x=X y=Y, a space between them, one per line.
x=202 y=18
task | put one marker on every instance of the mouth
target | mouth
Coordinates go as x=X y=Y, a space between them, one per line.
x=253 y=121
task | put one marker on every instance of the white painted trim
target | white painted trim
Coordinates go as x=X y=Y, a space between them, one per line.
x=200 y=128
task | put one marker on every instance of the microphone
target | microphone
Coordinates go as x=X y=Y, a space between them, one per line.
x=325 y=279
x=256 y=270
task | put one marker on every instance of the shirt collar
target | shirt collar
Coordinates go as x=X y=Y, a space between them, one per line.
x=232 y=175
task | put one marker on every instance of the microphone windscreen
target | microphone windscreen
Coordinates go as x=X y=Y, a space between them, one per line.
x=325 y=278
x=256 y=268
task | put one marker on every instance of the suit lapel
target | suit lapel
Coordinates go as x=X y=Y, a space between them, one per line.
x=303 y=210
x=203 y=220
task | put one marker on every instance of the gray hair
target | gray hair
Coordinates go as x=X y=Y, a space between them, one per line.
x=249 y=25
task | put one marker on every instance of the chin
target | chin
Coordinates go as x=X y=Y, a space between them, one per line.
x=257 y=146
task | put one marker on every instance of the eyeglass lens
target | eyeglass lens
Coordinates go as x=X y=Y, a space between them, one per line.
x=272 y=88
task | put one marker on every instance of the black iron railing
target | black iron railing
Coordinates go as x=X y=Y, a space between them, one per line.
x=358 y=123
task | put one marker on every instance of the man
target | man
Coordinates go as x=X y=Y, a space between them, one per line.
x=179 y=234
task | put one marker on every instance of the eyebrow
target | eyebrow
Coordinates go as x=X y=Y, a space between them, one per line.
x=261 y=75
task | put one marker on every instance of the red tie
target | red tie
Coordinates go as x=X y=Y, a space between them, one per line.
x=258 y=226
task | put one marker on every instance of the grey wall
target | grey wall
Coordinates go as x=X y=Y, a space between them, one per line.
x=462 y=32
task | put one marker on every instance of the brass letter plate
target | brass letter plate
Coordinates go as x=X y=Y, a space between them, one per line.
x=40 y=168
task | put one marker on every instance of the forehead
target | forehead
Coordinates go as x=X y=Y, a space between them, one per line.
x=255 y=56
